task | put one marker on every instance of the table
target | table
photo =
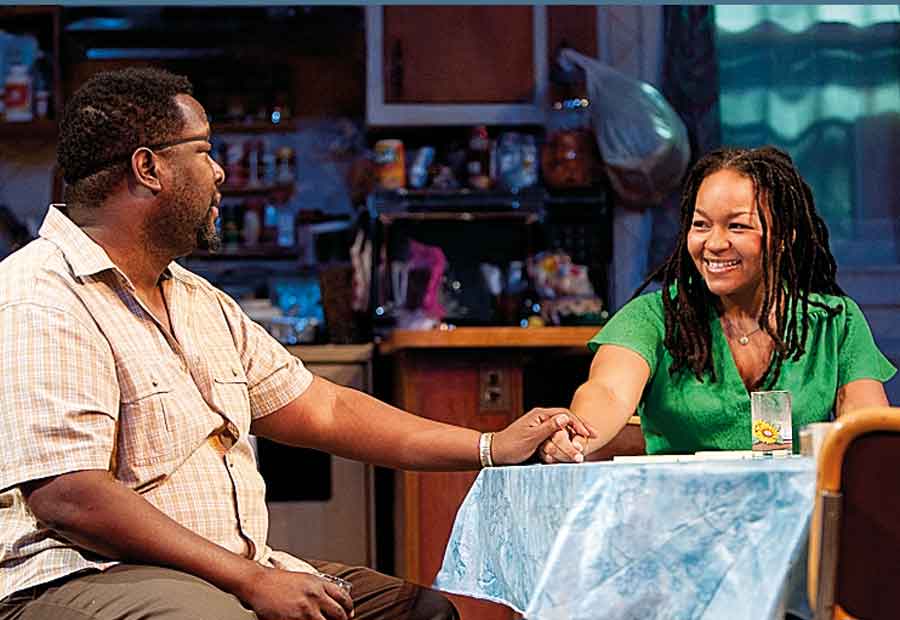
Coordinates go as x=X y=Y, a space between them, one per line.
x=476 y=377
x=701 y=540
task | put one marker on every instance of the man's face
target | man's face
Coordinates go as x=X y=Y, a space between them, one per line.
x=185 y=219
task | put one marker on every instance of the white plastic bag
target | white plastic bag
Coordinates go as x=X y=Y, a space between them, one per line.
x=643 y=141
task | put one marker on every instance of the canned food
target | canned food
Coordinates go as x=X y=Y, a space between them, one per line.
x=390 y=159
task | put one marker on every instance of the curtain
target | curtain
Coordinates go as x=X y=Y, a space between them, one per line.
x=690 y=83
x=822 y=82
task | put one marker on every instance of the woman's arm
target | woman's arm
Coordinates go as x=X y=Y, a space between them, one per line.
x=604 y=402
x=858 y=394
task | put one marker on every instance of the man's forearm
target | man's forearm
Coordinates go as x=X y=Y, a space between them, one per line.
x=395 y=438
x=96 y=512
x=354 y=425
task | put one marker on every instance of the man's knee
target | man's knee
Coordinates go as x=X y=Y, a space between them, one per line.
x=431 y=605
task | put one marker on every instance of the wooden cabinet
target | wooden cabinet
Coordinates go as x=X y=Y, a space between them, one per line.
x=468 y=65
x=456 y=65
x=341 y=528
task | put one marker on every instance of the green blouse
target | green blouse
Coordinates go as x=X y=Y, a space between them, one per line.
x=680 y=414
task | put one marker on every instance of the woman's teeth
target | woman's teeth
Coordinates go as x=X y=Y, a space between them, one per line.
x=717 y=266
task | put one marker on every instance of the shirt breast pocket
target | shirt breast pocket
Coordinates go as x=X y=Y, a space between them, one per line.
x=148 y=429
x=231 y=394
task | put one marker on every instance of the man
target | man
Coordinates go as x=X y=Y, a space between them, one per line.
x=128 y=488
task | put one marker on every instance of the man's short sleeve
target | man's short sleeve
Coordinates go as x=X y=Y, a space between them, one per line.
x=859 y=356
x=638 y=326
x=59 y=397
x=274 y=376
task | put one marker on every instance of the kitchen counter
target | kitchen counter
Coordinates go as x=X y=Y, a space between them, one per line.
x=488 y=338
x=332 y=353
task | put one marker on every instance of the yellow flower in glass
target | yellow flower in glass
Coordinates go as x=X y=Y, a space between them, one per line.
x=766 y=432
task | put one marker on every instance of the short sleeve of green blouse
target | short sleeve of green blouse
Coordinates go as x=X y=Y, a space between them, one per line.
x=639 y=326
x=860 y=358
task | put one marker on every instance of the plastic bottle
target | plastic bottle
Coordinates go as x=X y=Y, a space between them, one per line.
x=41 y=87
x=269 y=234
x=252 y=227
x=479 y=158
x=286 y=226
x=18 y=98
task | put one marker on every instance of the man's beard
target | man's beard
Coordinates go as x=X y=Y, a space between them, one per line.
x=170 y=231
x=208 y=237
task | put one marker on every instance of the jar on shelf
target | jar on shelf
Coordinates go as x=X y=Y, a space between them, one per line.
x=478 y=164
x=568 y=159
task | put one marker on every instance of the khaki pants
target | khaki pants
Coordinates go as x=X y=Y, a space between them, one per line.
x=136 y=592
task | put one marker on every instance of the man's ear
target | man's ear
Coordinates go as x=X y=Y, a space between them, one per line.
x=145 y=170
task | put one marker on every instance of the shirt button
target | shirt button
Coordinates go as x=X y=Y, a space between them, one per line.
x=154 y=382
x=234 y=371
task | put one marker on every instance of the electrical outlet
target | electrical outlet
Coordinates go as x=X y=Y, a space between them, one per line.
x=494 y=389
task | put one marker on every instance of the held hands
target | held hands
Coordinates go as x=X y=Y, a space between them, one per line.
x=519 y=440
x=567 y=445
x=276 y=594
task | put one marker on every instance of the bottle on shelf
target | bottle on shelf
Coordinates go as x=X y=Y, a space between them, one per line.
x=42 y=80
x=232 y=221
x=286 y=231
x=252 y=224
x=18 y=100
x=285 y=171
x=269 y=235
x=478 y=164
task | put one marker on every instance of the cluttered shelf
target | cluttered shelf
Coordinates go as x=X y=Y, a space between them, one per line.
x=266 y=252
x=232 y=127
x=255 y=189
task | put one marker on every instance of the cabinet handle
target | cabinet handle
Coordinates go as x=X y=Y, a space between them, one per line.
x=395 y=70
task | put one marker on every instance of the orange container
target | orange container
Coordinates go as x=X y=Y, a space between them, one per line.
x=391 y=161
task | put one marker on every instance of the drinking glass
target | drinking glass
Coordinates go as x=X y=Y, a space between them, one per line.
x=770 y=413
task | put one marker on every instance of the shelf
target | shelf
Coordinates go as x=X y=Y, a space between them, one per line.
x=42 y=129
x=528 y=217
x=255 y=190
x=7 y=12
x=456 y=200
x=288 y=126
x=269 y=253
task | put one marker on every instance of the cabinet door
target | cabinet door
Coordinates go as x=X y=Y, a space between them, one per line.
x=456 y=64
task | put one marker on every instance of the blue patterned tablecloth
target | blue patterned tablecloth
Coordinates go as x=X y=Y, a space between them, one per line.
x=701 y=540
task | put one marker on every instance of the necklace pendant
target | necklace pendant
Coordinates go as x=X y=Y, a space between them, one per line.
x=744 y=340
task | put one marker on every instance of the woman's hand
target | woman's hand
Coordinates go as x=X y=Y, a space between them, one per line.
x=564 y=446
x=518 y=441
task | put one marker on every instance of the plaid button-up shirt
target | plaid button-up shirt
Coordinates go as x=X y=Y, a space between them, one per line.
x=90 y=380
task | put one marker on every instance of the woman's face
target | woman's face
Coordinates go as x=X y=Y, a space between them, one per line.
x=725 y=239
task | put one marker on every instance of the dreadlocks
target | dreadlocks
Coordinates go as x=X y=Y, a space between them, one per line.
x=796 y=262
x=109 y=117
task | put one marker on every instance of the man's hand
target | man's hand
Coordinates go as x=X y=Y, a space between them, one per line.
x=519 y=440
x=283 y=595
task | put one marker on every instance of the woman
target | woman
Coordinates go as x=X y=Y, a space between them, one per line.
x=749 y=302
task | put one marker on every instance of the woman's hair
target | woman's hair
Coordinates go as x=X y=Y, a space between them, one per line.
x=796 y=261
x=109 y=117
